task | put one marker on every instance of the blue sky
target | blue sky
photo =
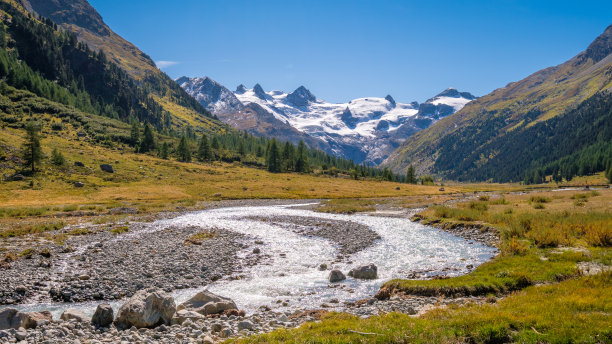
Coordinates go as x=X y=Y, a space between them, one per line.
x=343 y=49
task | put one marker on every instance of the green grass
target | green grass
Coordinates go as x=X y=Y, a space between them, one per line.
x=347 y=206
x=198 y=238
x=120 y=230
x=502 y=274
x=31 y=229
x=573 y=311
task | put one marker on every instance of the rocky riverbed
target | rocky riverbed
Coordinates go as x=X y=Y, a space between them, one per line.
x=103 y=265
x=273 y=260
x=351 y=237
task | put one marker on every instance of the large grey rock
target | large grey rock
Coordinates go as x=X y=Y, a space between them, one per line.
x=336 y=276
x=206 y=303
x=183 y=315
x=103 y=316
x=364 y=272
x=10 y=318
x=148 y=308
x=74 y=314
x=107 y=168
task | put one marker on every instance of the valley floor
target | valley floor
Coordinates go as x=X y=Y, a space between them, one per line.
x=550 y=283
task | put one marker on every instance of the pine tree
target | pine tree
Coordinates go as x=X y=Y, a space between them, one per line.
x=288 y=156
x=183 y=152
x=215 y=143
x=164 y=150
x=411 y=175
x=274 y=161
x=135 y=133
x=2 y=36
x=387 y=174
x=204 y=152
x=148 y=139
x=241 y=149
x=32 y=151
x=609 y=174
x=57 y=158
x=301 y=160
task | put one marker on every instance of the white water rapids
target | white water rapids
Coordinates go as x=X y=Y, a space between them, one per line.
x=404 y=247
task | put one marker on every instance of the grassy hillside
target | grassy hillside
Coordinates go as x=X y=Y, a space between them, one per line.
x=80 y=18
x=447 y=146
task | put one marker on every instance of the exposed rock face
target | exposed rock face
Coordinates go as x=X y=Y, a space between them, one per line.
x=148 y=308
x=103 y=317
x=336 y=276
x=206 y=303
x=301 y=97
x=74 y=314
x=212 y=95
x=364 y=272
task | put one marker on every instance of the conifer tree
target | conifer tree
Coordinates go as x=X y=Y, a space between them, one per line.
x=411 y=175
x=274 y=161
x=148 y=139
x=57 y=158
x=135 y=133
x=164 y=150
x=183 y=152
x=288 y=156
x=204 y=152
x=215 y=143
x=32 y=151
x=301 y=160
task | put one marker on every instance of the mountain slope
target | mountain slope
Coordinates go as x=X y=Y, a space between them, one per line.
x=447 y=147
x=79 y=17
x=364 y=129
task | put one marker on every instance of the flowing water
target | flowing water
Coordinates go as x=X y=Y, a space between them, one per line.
x=291 y=274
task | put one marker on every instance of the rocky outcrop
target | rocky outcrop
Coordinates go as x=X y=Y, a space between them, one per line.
x=206 y=303
x=148 y=308
x=364 y=272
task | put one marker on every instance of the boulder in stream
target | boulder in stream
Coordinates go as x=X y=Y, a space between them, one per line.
x=206 y=303
x=364 y=272
x=148 y=308
x=336 y=276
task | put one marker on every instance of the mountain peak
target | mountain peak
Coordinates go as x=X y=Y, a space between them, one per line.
x=241 y=89
x=601 y=46
x=454 y=93
x=301 y=96
x=78 y=12
x=259 y=91
x=391 y=100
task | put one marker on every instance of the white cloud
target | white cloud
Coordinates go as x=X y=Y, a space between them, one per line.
x=165 y=64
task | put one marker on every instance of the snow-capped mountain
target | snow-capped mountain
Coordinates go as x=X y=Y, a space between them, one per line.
x=213 y=96
x=364 y=129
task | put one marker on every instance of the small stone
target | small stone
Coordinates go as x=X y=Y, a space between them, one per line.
x=336 y=276
x=78 y=184
x=245 y=325
x=256 y=250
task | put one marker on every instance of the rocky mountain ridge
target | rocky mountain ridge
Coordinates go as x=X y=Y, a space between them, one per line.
x=364 y=129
